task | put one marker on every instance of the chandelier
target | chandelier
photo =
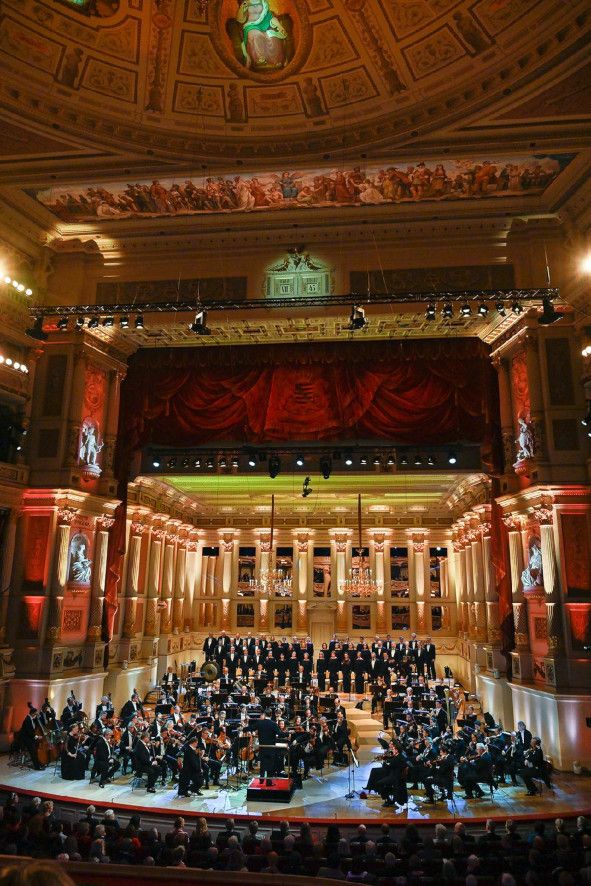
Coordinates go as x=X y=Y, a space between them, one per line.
x=273 y=582
x=360 y=581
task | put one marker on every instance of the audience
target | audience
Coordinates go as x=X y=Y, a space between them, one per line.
x=534 y=853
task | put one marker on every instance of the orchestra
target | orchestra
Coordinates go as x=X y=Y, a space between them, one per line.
x=274 y=708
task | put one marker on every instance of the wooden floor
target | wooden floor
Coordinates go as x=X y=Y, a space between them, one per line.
x=320 y=798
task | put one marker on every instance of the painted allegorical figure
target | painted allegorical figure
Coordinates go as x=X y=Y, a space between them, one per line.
x=262 y=39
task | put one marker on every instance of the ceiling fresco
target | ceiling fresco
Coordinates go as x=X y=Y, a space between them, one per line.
x=274 y=76
x=406 y=182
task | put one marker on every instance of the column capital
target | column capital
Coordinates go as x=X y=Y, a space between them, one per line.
x=227 y=538
x=104 y=522
x=513 y=522
x=302 y=539
x=341 y=538
x=542 y=515
x=264 y=539
x=66 y=515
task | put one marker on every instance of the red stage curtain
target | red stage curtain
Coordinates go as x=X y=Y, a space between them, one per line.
x=414 y=393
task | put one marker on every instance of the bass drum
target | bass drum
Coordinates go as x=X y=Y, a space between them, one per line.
x=210 y=671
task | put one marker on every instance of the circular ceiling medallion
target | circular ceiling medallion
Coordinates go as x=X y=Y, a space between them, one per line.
x=264 y=40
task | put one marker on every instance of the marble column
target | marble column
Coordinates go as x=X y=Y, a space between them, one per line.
x=302 y=550
x=130 y=628
x=227 y=545
x=167 y=584
x=6 y=561
x=65 y=517
x=506 y=409
x=153 y=582
x=180 y=573
x=532 y=362
x=111 y=420
x=99 y=576
x=197 y=613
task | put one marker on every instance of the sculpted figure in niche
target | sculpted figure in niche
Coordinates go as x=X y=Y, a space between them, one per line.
x=262 y=40
x=89 y=445
x=532 y=576
x=525 y=440
x=80 y=564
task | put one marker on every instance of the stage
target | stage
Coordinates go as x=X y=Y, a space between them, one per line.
x=320 y=798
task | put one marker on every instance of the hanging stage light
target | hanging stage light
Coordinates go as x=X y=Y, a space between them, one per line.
x=391 y=461
x=447 y=311
x=357 y=318
x=306 y=488
x=172 y=462
x=465 y=310
x=500 y=308
x=483 y=309
x=274 y=466
x=452 y=458
x=299 y=461
x=197 y=463
x=209 y=463
x=109 y=321
x=36 y=330
x=199 y=324
x=62 y=324
x=235 y=461
x=517 y=307
x=156 y=462
x=431 y=461
x=377 y=461
x=403 y=460
x=430 y=312
x=186 y=462
x=418 y=460
x=325 y=466
x=223 y=462
x=252 y=462
x=549 y=315
x=348 y=460
x=363 y=461
x=139 y=321
x=79 y=324
x=93 y=323
x=124 y=322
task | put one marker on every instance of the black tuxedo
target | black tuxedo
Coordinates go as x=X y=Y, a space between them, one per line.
x=429 y=659
x=104 y=764
x=524 y=740
x=191 y=776
x=145 y=764
x=129 y=710
x=28 y=740
x=399 y=651
x=267 y=731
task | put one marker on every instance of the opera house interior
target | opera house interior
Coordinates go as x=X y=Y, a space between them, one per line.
x=295 y=408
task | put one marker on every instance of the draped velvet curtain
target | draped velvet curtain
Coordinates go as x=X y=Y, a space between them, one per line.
x=426 y=392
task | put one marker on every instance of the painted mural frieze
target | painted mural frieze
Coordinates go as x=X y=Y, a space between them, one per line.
x=405 y=182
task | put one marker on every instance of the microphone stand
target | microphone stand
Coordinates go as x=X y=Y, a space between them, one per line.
x=351 y=793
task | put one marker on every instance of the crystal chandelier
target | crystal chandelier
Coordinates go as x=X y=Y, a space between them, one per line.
x=360 y=581
x=273 y=582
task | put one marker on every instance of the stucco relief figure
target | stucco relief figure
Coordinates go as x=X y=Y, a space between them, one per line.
x=90 y=447
x=262 y=40
x=80 y=564
x=525 y=440
x=532 y=576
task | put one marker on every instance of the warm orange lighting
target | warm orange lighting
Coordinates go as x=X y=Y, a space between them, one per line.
x=585 y=264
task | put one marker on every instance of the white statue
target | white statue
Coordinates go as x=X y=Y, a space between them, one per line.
x=525 y=441
x=532 y=576
x=81 y=566
x=89 y=446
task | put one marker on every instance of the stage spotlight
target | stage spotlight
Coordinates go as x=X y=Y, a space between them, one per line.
x=325 y=466
x=517 y=307
x=500 y=308
x=139 y=321
x=306 y=488
x=124 y=322
x=377 y=461
x=93 y=323
x=300 y=461
x=252 y=462
x=465 y=310
x=585 y=264
x=62 y=324
x=36 y=330
x=197 y=463
x=109 y=321
x=172 y=462
x=209 y=463
x=79 y=324
x=363 y=461
x=430 y=312
x=356 y=319
x=235 y=461
x=447 y=311
x=549 y=315
x=391 y=461
x=452 y=458
x=348 y=461
x=274 y=466
x=403 y=460
x=483 y=309
x=431 y=461
x=199 y=324
x=223 y=462
x=418 y=460
x=186 y=462
x=155 y=462
x=586 y=422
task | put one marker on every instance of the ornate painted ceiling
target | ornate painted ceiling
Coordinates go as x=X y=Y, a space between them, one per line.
x=280 y=78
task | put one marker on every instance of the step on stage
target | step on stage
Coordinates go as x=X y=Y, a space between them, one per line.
x=279 y=790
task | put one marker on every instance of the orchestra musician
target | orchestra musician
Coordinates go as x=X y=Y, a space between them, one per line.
x=191 y=774
x=71 y=711
x=29 y=736
x=144 y=762
x=534 y=767
x=132 y=708
x=104 y=707
x=73 y=757
x=267 y=731
x=105 y=764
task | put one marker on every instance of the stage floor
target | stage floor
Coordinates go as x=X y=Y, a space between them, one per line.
x=320 y=798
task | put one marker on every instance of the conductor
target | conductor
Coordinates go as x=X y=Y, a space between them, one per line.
x=267 y=730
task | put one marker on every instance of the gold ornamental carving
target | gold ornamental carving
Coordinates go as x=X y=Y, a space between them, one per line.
x=104 y=522
x=66 y=515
